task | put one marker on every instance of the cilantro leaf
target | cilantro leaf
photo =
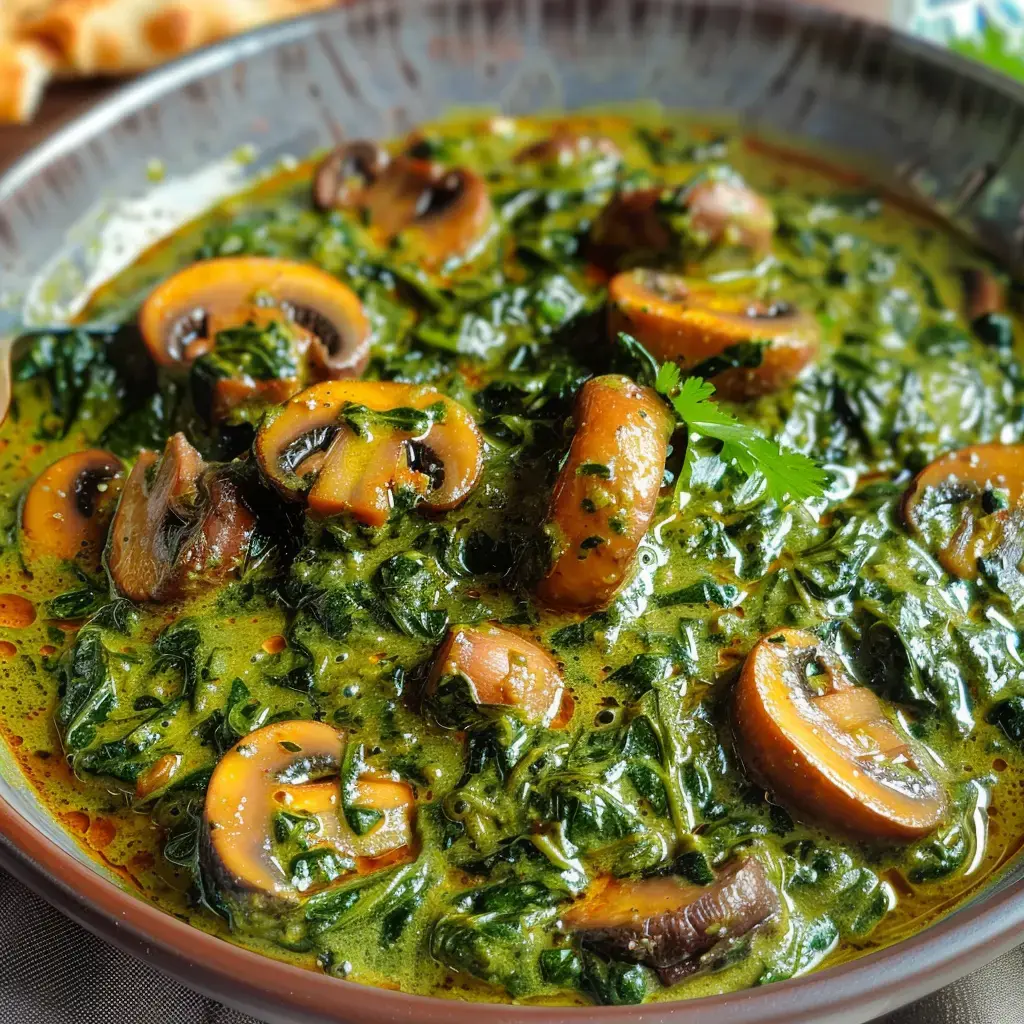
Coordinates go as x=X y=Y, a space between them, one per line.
x=786 y=473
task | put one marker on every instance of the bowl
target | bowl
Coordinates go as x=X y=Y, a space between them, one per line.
x=944 y=132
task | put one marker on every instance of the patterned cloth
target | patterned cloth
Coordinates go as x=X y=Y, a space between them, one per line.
x=54 y=972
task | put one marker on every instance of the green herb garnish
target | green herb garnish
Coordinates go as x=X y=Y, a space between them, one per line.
x=786 y=473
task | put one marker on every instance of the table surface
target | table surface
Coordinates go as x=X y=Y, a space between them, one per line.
x=93 y=983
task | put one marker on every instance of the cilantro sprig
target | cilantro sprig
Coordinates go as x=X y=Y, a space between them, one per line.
x=786 y=473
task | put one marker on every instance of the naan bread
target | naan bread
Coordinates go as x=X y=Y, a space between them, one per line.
x=25 y=65
x=79 y=38
x=112 y=37
x=25 y=68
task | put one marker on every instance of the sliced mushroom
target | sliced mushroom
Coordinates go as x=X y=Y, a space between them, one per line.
x=181 y=317
x=604 y=498
x=68 y=508
x=347 y=172
x=565 y=147
x=963 y=478
x=291 y=767
x=642 y=223
x=502 y=669
x=824 y=745
x=310 y=450
x=178 y=528
x=690 y=323
x=440 y=213
x=667 y=923
x=725 y=212
x=983 y=294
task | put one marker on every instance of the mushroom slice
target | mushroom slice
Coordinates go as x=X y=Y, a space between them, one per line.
x=565 y=147
x=346 y=172
x=826 y=746
x=440 y=214
x=502 y=669
x=326 y=446
x=946 y=505
x=666 y=923
x=178 y=528
x=691 y=324
x=68 y=508
x=654 y=221
x=290 y=769
x=604 y=498
x=181 y=317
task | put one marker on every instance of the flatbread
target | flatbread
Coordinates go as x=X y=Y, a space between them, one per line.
x=114 y=37
x=82 y=38
x=25 y=66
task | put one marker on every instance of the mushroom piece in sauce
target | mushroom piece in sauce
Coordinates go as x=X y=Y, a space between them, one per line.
x=667 y=923
x=180 y=526
x=181 y=318
x=694 y=324
x=68 y=508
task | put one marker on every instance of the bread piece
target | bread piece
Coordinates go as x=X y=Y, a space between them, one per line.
x=113 y=37
x=25 y=68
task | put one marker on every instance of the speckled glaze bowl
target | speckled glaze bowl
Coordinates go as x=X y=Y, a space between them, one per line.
x=88 y=201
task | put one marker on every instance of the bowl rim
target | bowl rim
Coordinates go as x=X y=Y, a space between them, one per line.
x=853 y=991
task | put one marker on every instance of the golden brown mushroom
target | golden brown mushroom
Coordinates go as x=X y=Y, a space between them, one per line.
x=439 y=213
x=677 y=319
x=178 y=528
x=826 y=746
x=650 y=222
x=181 y=317
x=347 y=172
x=565 y=147
x=292 y=767
x=605 y=494
x=311 y=451
x=958 y=477
x=502 y=669
x=665 y=922
x=68 y=508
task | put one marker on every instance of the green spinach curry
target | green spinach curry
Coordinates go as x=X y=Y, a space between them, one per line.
x=557 y=561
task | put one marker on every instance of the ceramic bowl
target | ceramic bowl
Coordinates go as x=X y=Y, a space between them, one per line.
x=88 y=200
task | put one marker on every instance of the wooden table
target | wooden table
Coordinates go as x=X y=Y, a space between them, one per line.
x=62 y=103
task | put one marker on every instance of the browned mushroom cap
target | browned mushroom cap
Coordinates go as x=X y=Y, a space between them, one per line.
x=958 y=477
x=564 y=147
x=502 y=668
x=606 y=492
x=718 y=212
x=308 y=452
x=178 y=528
x=292 y=767
x=346 y=172
x=983 y=294
x=825 y=745
x=667 y=923
x=440 y=213
x=181 y=317
x=690 y=322
x=68 y=508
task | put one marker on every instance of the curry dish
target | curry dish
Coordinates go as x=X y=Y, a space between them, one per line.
x=545 y=560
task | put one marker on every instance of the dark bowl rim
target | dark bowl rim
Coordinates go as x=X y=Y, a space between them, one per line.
x=864 y=987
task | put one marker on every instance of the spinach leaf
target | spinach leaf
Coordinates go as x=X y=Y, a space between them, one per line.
x=87 y=691
x=410 y=591
x=127 y=758
x=496 y=933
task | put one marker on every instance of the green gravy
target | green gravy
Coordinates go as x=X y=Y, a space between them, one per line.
x=331 y=621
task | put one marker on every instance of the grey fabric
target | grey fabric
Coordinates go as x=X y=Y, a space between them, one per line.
x=53 y=972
